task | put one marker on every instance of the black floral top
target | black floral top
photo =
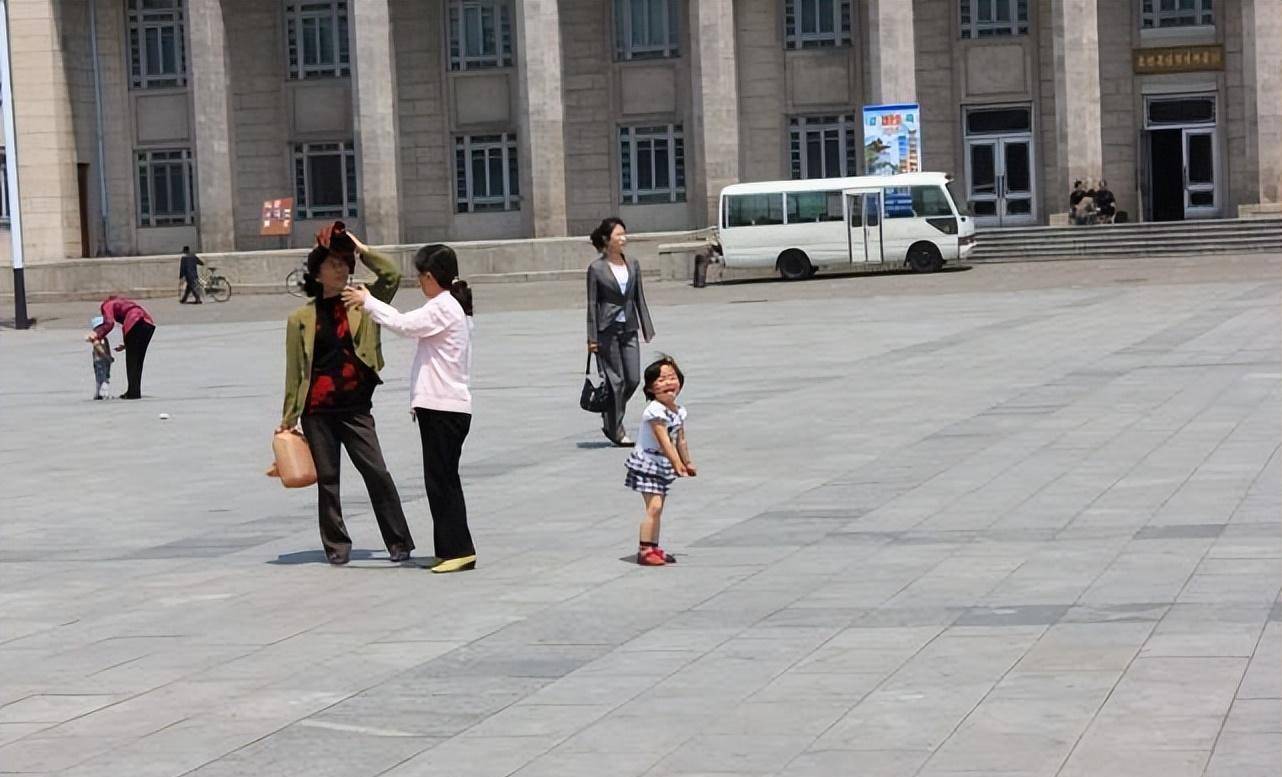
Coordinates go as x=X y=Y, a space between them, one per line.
x=341 y=382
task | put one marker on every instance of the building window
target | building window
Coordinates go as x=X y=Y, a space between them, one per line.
x=646 y=29
x=157 y=47
x=1177 y=13
x=480 y=34
x=823 y=146
x=486 y=173
x=816 y=23
x=992 y=18
x=316 y=35
x=165 y=193
x=4 y=189
x=324 y=180
x=652 y=164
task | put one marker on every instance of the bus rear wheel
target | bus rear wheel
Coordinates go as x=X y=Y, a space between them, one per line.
x=924 y=257
x=794 y=265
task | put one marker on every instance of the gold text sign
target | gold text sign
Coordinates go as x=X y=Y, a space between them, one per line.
x=1178 y=59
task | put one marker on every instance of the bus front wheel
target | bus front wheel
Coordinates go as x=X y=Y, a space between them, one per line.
x=924 y=257
x=794 y=265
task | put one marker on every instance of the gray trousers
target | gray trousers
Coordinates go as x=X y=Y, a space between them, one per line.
x=325 y=433
x=619 y=362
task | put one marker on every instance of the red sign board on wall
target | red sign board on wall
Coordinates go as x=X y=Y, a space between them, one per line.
x=278 y=217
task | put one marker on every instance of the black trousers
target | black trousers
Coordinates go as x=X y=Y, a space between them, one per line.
x=136 y=343
x=619 y=360
x=443 y=434
x=193 y=289
x=326 y=433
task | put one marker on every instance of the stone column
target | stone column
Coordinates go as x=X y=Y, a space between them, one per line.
x=46 y=139
x=375 y=122
x=1079 y=142
x=1263 y=61
x=540 y=116
x=207 y=68
x=892 y=62
x=119 y=212
x=715 y=119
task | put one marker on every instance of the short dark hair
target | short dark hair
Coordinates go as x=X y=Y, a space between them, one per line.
x=652 y=373
x=315 y=258
x=440 y=262
x=186 y=249
x=600 y=236
x=1076 y=184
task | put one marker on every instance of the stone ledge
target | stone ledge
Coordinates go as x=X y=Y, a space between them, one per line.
x=263 y=272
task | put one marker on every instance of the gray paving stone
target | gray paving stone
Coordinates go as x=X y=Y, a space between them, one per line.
x=1017 y=615
x=1180 y=532
x=1017 y=524
x=873 y=763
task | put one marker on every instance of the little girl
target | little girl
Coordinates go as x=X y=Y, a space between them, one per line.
x=661 y=455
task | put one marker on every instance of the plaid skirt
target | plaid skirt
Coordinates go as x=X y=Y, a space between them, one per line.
x=649 y=473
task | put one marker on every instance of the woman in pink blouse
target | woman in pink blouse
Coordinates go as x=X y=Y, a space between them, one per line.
x=137 y=326
x=440 y=391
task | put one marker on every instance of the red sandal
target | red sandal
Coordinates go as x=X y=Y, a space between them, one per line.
x=651 y=557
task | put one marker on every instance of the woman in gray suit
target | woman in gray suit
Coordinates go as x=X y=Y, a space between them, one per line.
x=616 y=312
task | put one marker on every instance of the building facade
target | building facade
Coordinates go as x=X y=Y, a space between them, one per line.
x=145 y=125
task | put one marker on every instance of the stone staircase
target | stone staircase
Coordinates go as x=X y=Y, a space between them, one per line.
x=1022 y=244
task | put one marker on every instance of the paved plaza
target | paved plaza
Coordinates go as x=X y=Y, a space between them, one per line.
x=1018 y=520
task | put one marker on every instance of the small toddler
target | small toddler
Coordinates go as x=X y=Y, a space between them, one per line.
x=102 y=360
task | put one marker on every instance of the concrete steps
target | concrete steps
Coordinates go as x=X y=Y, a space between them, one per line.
x=1017 y=244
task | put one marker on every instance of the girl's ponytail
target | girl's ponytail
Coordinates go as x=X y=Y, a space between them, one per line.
x=463 y=294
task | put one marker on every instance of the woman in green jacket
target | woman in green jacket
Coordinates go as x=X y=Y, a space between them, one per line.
x=332 y=359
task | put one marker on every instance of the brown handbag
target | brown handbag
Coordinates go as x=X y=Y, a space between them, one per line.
x=294 y=465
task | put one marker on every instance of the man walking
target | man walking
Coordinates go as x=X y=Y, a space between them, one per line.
x=188 y=276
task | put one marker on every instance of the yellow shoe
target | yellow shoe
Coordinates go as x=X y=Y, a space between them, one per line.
x=460 y=564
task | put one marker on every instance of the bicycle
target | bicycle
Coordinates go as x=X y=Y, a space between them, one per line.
x=214 y=285
x=294 y=281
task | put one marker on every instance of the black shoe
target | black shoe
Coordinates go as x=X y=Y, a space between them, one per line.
x=337 y=558
x=127 y=395
x=97 y=396
x=398 y=553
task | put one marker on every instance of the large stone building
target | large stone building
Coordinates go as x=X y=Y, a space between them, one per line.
x=143 y=125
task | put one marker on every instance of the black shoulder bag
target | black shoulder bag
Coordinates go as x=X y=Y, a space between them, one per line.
x=594 y=399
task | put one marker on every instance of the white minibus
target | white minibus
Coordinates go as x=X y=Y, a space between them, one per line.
x=797 y=227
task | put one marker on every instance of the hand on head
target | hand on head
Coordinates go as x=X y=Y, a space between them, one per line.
x=356 y=241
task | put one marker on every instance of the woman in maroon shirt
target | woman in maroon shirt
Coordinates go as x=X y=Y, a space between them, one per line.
x=138 y=327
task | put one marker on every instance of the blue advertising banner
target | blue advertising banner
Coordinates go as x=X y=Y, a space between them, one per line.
x=892 y=139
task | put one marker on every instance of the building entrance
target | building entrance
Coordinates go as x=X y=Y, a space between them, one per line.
x=999 y=166
x=1181 y=159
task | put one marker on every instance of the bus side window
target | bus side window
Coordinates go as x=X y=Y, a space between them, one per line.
x=748 y=210
x=813 y=207
x=857 y=211
x=834 y=206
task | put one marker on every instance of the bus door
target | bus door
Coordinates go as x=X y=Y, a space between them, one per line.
x=863 y=214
